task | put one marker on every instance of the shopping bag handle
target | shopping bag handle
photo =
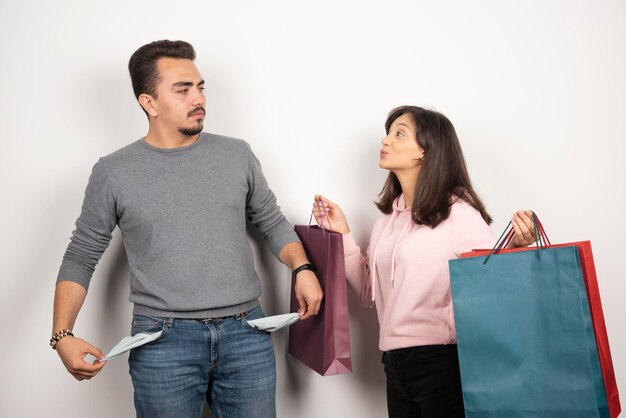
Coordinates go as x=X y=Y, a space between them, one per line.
x=507 y=235
x=542 y=231
x=330 y=228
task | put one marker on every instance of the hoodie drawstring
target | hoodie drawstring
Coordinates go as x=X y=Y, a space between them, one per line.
x=403 y=233
x=395 y=248
x=373 y=266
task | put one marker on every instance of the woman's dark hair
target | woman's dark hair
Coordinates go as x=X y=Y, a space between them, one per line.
x=443 y=177
x=143 y=63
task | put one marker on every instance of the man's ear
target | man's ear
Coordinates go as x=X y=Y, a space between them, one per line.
x=147 y=102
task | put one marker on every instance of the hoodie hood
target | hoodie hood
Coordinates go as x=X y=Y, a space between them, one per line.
x=399 y=205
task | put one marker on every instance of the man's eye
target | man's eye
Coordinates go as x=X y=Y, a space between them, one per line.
x=201 y=88
x=183 y=91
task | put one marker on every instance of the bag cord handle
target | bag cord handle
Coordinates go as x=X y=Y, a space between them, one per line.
x=330 y=228
x=507 y=235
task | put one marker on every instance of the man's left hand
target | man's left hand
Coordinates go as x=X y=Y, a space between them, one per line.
x=309 y=294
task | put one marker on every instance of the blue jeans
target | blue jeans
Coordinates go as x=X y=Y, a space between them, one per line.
x=222 y=360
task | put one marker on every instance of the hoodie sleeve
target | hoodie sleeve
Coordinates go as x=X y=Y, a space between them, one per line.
x=467 y=230
x=357 y=270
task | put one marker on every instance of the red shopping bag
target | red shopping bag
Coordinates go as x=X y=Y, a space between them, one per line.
x=323 y=341
x=585 y=255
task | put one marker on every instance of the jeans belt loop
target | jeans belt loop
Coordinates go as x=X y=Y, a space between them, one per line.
x=241 y=315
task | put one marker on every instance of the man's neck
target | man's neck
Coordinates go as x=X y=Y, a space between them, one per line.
x=161 y=139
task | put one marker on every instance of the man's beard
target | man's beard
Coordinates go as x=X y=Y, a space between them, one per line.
x=191 y=131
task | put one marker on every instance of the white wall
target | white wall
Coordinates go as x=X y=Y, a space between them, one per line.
x=536 y=90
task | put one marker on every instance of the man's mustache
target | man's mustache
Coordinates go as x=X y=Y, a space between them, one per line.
x=197 y=109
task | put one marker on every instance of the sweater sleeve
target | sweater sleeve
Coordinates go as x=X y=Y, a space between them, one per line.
x=94 y=226
x=357 y=270
x=467 y=230
x=263 y=211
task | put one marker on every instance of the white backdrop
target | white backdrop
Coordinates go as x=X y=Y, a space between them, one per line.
x=536 y=90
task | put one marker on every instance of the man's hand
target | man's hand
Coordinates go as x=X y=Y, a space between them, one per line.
x=73 y=352
x=309 y=294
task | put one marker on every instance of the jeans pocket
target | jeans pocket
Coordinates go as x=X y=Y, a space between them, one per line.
x=255 y=313
x=146 y=324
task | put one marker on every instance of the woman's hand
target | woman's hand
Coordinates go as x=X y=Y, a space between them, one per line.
x=322 y=208
x=523 y=229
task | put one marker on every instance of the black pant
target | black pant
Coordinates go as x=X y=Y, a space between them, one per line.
x=424 y=382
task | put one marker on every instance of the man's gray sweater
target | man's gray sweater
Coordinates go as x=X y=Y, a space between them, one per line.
x=182 y=213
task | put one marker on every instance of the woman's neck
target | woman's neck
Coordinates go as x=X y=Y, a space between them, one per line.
x=408 y=181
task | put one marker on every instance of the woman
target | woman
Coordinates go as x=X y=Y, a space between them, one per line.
x=431 y=215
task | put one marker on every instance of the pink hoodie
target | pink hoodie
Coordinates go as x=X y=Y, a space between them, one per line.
x=406 y=273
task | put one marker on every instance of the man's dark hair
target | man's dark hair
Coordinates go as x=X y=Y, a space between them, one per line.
x=143 y=63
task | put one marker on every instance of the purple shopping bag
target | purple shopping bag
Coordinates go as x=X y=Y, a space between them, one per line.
x=323 y=341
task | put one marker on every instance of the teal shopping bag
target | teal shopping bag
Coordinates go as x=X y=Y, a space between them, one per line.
x=525 y=338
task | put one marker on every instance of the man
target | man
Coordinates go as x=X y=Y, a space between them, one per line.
x=181 y=198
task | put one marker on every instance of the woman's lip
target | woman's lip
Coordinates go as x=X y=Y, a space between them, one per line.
x=383 y=153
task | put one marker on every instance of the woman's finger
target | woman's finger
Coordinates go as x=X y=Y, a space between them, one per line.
x=526 y=217
x=522 y=232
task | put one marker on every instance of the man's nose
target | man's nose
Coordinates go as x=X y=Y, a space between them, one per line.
x=198 y=98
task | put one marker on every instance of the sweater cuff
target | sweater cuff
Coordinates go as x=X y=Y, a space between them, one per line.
x=349 y=245
x=281 y=238
x=74 y=272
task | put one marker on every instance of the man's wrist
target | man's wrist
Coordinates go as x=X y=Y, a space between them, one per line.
x=57 y=336
x=305 y=266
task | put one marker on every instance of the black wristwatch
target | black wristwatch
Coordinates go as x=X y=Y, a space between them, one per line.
x=307 y=266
